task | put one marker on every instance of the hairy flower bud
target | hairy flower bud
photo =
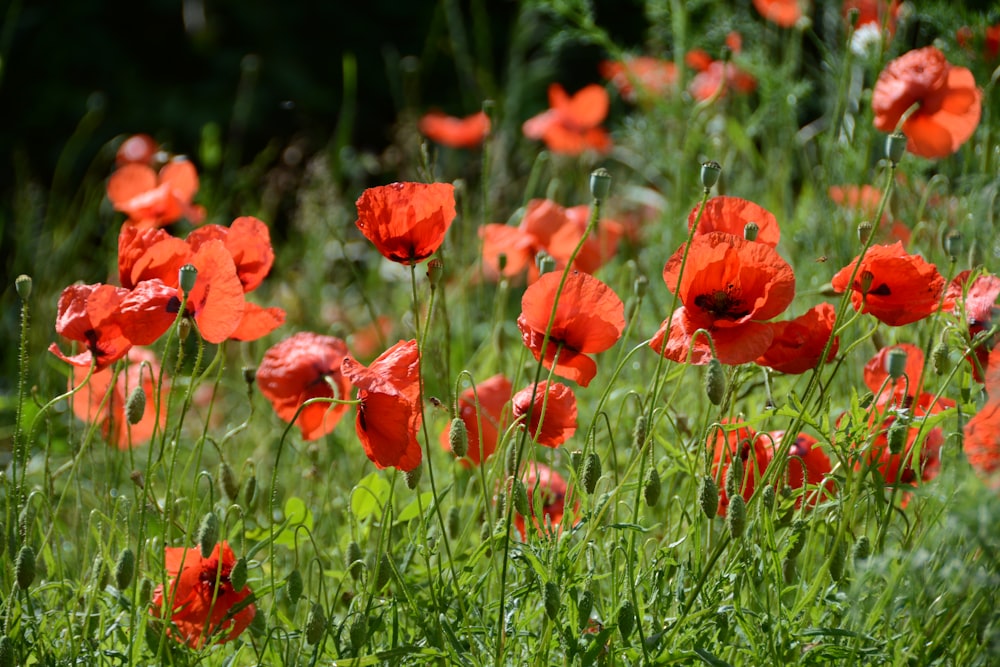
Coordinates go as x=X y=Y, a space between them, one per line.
x=294 y=586
x=315 y=624
x=940 y=359
x=412 y=477
x=651 y=487
x=458 y=437
x=238 y=575
x=358 y=632
x=896 y=436
x=228 y=482
x=715 y=381
x=353 y=560
x=550 y=598
x=584 y=606
x=135 y=406
x=208 y=534
x=591 y=472
x=24 y=567
x=626 y=619
x=862 y=550
x=733 y=482
x=708 y=496
x=520 y=497
x=383 y=573
x=736 y=517
x=124 y=569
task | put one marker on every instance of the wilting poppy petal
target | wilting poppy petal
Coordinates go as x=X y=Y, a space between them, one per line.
x=493 y=395
x=406 y=222
x=551 y=409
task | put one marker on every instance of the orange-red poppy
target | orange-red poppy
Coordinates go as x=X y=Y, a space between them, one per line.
x=886 y=390
x=784 y=13
x=904 y=467
x=981 y=443
x=389 y=414
x=589 y=318
x=102 y=399
x=199 y=600
x=715 y=77
x=155 y=199
x=407 y=222
x=91 y=314
x=446 y=130
x=639 y=76
x=945 y=102
x=988 y=40
x=976 y=302
x=798 y=344
x=744 y=443
x=550 y=409
x=894 y=286
x=549 y=487
x=877 y=14
x=808 y=467
x=248 y=241
x=150 y=253
x=140 y=148
x=597 y=248
x=731 y=215
x=302 y=367
x=491 y=396
x=729 y=287
x=572 y=124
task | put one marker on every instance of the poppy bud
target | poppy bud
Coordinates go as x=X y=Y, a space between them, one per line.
x=208 y=534
x=383 y=573
x=767 y=499
x=591 y=472
x=145 y=591
x=736 y=517
x=862 y=550
x=939 y=357
x=187 y=275
x=135 y=406
x=550 y=597
x=796 y=538
x=228 y=482
x=895 y=146
x=353 y=559
x=715 y=381
x=22 y=284
x=626 y=619
x=24 y=567
x=953 y=244
x=651 y=487
x=708 y=496
x=293 y=586
x=520 y=497
x=545 y=262
x=897 y=438
x=510 y=465
x=250 y=490
x=639 y=286
x=458 y=437
x=315 y=624
x=258 y=624
x=576 y=461
x=7 y=657
x=413 y=477
x=750 y=231
x=454 y=522
x=639 y=432
x=584 y=605
x=249 y=374
x=435 y=271
x=99 y=573
x=124 y=569
x=710 y=172
x=838 y=557
x=238 y=575
x=864 y=231
x=358 y=632
x=734 y=477
x=600 y=183
x=895 y=363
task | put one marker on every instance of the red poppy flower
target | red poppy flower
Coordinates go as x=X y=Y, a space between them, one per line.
x=589 y=319
x=976 y=302
x=152 y=199
x=91 y=314
x=731 y=215
x=493 y=395
x=753 y=451
x=550 y=487
x=874 y=13
x=201 y=601
x=715 y=74
x=729 y=286
x=572 y=124
x=140 y=148
x=896 y=287
x=446 y=130
x=907 y=385
x=302 y=367
x=806 y=452
x=640 y=75
x=597 y=248
x=407 y=222
x=904 y=467
x=784 y=13
x=948 y=102
x=389 y=410
x=798 y=344
x=550 y=409
x=248 y=241
x=982 y=433
x=988 y=40
x=148 y=253
x=102 y=399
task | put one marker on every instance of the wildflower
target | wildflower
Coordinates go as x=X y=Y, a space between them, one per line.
x=249 y=243
x=798 y=344
x=639 y=76
x=948 y=103
x=988 y=39
x=551 y=412
x=904 y=388
x=731 y=215
x=572 y=124
x=102 y=400
x=589 y=318
x=784 y=13
x=741 y=443
x=155 y=199
x=492 y=396
x=389 y=412
x=981 y=443
x=808 y=465
x=548 y=488
x=467 y=132
x=715 y=77
x=139 y=148
x=895 y=287
x=407 y=222
x=976 y=302
x=201 y=601
x=300 y=368
x=90 y=314
x=729 y=286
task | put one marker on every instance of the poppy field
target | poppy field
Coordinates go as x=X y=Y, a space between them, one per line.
x=687 y=356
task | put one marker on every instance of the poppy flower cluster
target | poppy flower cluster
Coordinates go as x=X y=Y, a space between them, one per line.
x=938 y=103
x=406 y=222
x=572 y=124
x=550 y=227
x=453 y=132
x=639 y=77
x=199 y=600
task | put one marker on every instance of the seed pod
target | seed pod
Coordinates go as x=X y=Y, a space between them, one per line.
x=895 y=147
x=600 y=183
x=227 y=480
x=249 y=375
x=708 y=496
x=124 y=569
x=384 y=572
x=22 y=285
x=639 y=432
x=353 y=560
x=315 y=624
x=651 y=487
x=751 y=230
x=953 y=244
x=862 y=550
x=895 y=363
x=626 y=619
x=358 y=632
x=238 y=575
x=208 y=534
x=293 y=586
x=454 y=522
x=710 y=172
x=135 y=406
x=584 y=606
x=550 y=597
x=715 y=381
x=864 y=231
x=591 y=472
x=736 y=517
x=413 y=477
x=520 y=497
x=458 y=437
x=186 y=278
x=24 y=567
x=734 y=477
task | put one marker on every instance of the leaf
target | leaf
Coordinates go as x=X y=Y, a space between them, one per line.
x=369 y=496
x=296 y=514
x=412 y=511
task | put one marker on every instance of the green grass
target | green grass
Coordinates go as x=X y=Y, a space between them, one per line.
x=443 y=578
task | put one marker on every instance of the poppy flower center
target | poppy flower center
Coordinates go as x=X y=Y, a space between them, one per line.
x=210 y=573
x=723 y=303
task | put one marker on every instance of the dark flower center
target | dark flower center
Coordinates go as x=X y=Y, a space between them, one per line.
x=723 y=303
